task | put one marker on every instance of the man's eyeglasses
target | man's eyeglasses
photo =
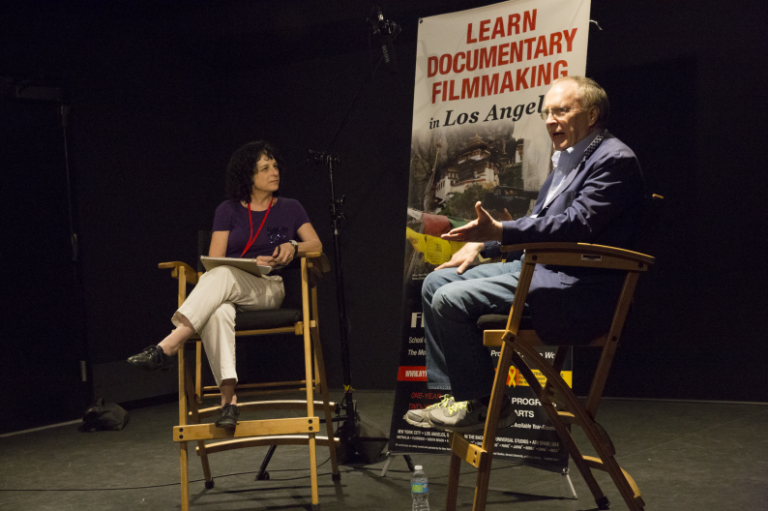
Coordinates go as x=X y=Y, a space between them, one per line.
x=557 y=112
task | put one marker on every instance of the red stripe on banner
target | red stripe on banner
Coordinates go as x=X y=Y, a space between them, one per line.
x=435 y=225
x=412 y=373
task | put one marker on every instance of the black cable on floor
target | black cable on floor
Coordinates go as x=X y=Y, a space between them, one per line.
x=160 y=485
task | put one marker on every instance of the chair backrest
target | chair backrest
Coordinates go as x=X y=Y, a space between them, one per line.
x=203 y=245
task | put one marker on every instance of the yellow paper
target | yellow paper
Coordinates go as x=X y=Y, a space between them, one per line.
x=436 y=250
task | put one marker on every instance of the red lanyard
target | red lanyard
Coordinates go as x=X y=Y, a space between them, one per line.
x=253 y=238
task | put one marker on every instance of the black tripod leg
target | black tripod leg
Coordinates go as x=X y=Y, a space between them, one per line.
x=263 y=475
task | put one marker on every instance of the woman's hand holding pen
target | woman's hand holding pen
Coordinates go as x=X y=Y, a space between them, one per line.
x=282 y=256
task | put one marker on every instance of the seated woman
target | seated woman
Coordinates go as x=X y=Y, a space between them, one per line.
x=254 y=223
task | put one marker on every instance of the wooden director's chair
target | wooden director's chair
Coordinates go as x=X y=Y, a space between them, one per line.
x=519 y=347
x=254 y=433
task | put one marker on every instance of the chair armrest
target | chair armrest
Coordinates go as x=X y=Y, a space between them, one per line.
x=190 y=274
x=319 y=260
x=583 y=254
x=320 y=265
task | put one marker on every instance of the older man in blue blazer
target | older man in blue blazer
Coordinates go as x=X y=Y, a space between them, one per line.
x=594 y=194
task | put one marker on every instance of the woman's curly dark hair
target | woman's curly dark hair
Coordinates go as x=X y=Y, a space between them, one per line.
x=242 y=166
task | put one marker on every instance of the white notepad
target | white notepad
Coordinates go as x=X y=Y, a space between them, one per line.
x=249 y=265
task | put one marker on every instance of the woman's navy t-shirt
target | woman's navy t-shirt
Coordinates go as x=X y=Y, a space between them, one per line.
x=282 y=225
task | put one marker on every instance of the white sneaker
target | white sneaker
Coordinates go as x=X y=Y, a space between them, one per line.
x=420 y=417
x=468 y=416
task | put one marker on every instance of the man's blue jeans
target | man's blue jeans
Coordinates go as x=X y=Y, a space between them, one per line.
x=452 y=303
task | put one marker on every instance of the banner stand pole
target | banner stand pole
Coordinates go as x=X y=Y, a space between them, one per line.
x=566 y=474
x=390 y=456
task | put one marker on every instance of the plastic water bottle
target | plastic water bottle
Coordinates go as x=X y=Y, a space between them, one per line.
x=419 y=490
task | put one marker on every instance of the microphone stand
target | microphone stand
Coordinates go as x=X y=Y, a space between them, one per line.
x=337 y=215
x=349 y=431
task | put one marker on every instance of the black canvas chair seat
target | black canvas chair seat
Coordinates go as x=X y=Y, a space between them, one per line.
x=266 y=319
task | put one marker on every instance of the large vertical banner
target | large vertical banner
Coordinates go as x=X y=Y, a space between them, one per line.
x=481 y=77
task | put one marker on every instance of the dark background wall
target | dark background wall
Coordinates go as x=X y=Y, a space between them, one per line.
x=162 y=92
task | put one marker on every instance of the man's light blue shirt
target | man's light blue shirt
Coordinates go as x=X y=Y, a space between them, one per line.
x=566 y=163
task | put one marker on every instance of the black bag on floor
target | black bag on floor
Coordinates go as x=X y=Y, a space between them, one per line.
x=104 y=417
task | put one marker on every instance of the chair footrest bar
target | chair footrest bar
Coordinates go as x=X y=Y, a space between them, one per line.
x=247 y=429
x=467 y=451
x=284 y=404
x=244 y=386
x=263 y=441
x=494 y=338
x=262 y=392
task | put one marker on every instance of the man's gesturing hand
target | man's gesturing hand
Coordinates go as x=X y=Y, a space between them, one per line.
x=463 y=258
x=483 y=229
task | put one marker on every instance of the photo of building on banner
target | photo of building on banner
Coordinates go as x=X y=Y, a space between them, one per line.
x=481 y=77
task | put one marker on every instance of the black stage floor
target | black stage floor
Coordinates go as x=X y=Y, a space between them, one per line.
x=683 y=455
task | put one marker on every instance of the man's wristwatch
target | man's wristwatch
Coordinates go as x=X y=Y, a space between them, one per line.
x=295 y=245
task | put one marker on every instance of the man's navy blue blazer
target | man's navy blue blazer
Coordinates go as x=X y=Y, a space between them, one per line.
x=602 y=204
